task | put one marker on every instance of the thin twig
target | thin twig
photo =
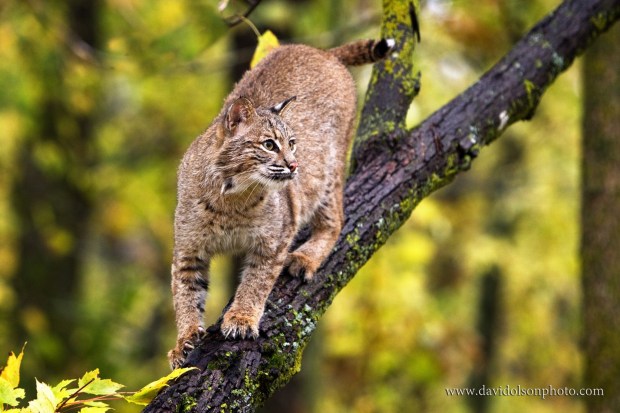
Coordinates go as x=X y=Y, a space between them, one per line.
x=238 y=18
x=73 y=395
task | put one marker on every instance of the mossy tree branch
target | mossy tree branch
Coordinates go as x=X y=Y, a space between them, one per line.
x=394 y=83
x=395 y=169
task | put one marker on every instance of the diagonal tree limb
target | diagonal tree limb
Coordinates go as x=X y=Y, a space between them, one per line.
x=396 y=170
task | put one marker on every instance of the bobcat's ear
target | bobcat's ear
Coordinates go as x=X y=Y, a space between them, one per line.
x=281 y=107
x=239 y=112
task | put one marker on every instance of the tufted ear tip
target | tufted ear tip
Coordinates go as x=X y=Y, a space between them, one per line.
x=281 y=107
x=240 y=111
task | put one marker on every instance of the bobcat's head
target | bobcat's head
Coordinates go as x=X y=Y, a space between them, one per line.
x=256 y=147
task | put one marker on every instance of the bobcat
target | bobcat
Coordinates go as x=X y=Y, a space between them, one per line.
x=271 y=162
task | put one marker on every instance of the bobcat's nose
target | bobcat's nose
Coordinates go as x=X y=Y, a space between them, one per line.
x=293 y=166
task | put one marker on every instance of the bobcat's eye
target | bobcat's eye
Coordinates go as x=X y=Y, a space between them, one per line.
x=291 y=145
x=270 y=145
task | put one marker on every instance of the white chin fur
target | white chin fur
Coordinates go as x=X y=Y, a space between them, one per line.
x=276 y=185
x=233 y=186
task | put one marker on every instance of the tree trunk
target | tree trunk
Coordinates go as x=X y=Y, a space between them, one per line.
x=54 y=160
x=600 y=243
x=395 y=170
x=489 y=315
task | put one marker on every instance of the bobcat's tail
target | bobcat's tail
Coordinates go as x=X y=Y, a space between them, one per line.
x=362 y=52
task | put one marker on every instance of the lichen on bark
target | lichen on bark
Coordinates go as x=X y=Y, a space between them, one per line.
x=394 y=82
x=395 y=169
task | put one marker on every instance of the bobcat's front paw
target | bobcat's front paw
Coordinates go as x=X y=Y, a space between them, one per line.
x=300 y=265
x=240 y=324
x=185 y=344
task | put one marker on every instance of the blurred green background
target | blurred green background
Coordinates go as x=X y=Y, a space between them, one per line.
x=98 y=101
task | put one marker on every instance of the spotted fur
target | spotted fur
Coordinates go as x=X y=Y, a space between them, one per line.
x=271 y=162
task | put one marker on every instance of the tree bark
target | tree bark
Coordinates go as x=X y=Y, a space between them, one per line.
x=600 y=243
x=395 y=169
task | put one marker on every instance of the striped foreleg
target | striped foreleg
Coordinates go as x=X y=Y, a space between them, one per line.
x=190 y=284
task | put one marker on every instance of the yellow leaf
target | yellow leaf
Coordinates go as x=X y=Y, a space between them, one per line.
x=92 y=384
x=95 y=404
x=88 y=377
x=45 y=402
x=148 y=392
x=8 y=394
x=266 y=43
x=102 y=387
x=11 y=372
x=60 y=390
x=98 y=409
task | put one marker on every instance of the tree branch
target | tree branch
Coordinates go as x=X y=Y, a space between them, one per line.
x=395 y=170
x=394 y=83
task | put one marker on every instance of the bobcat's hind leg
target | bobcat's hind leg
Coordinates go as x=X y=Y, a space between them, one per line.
x=326 y=226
